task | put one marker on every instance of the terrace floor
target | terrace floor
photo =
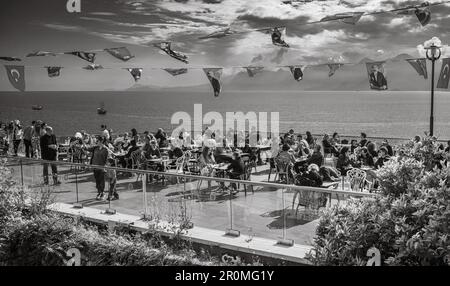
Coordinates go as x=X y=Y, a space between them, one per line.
x=266 y=212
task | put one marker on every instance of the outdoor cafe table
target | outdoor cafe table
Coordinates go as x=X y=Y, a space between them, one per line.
x=221 y=170
x=263 y=147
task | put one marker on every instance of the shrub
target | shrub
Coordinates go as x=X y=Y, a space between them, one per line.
x=32 y=236
x=408 y=222
x=45 y=239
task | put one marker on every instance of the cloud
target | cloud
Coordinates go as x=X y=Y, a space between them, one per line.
x=445 y=49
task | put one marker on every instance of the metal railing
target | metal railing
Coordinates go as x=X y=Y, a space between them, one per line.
x=235 y=212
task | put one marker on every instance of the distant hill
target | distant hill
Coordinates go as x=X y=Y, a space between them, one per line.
x=400 y=75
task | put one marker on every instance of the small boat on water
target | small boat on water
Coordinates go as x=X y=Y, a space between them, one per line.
x=101 y=110
x=36 y=107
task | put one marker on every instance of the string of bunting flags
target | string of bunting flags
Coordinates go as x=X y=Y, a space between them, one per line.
x=421 y=11
x=375 y=71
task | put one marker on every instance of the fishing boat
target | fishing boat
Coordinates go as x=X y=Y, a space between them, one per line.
x=101 y=110
x=36 y=107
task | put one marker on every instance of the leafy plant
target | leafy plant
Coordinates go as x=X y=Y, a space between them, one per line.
x=408 y=222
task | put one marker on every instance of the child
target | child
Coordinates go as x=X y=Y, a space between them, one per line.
x=112 y=179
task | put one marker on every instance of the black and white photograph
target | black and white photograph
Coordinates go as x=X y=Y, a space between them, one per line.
x=190 y=133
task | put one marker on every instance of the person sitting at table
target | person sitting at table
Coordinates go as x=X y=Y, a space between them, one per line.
x=447 y=149
x=285 y=156
x=388 y=147
x=288 y=139
x=327 y=147
x=310 y=139
x=176 y=147
x=302 y=149
x=150 y=149
x=161 y=138
x=365 y=157
x=126 y=161
x=249 y=150
x=344 y=163
x=353 y=145
x=205 y=162
x=315 y=158
x=76 y=141
x=134 y=135
x=236 y=169
x=383 y=157
x=310 y=178
x=335 y=139
x=87 y=139
x=371 y=148
x=221 y=155
x=364 y=140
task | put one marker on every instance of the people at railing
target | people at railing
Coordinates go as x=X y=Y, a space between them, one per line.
x=99 y=157
x=28 y=134
x=49 y=149
x=17 y=135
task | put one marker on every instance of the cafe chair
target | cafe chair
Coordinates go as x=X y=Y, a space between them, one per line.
x=136 y=162
x=282 y=171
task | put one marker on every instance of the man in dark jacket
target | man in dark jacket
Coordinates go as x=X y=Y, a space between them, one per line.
x=49 y=151
x=236 y=169
x=28 y=134
x=99 y=158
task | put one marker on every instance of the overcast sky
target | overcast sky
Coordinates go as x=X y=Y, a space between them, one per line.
x=28 y=25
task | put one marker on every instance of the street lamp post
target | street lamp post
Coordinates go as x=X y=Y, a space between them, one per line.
x=433 y=54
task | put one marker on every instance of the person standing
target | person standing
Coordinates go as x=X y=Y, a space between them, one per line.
x=17 y=136
x=99 y=158
x=28 y=135
x=105 y=132
x=49 y=150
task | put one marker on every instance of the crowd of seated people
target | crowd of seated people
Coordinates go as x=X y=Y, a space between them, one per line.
x=288 y=149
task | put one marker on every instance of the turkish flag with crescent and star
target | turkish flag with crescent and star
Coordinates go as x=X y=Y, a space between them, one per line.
x=445 y=72
x=16 y=76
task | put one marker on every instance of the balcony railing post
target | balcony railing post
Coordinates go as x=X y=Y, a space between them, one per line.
x=144 y=195
x=77 y=205
x=283 y=240
x=231 y=231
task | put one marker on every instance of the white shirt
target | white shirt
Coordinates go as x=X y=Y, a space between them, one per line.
x=105 y=133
